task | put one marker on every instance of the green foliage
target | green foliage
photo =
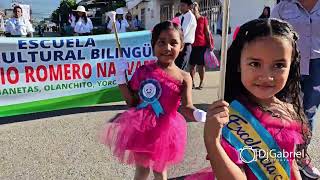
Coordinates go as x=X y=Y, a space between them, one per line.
x=112 y=5
x=66 y=6
x=120 y=4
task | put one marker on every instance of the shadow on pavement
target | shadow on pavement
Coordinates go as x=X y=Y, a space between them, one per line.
x=40 y=115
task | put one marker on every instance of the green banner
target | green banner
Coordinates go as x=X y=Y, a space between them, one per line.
x=44 y=74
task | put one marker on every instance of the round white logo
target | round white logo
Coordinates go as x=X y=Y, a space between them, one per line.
x=250 y=159
x=149 y=90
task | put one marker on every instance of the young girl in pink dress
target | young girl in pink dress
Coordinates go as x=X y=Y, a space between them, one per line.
x=152 y=134
x=263 y=74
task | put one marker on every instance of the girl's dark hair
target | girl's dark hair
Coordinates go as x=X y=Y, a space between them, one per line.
x=164 y=26
x=84 y=17
x=250 y=32
x=17 y=7
x=263 y=15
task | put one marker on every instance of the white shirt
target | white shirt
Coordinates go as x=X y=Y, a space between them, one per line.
x=19 y=26
x=189 y=26
x=121 y=27
x=2 y=28
x=81 y=27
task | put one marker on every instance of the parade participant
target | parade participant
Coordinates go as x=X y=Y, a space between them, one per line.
x=176 y=18
x=82 y=24
x=152 y=134
x=137 y=23
x=304 y=17
x=266 y=12
x=121 y=23
x=188 y=24
x=130 y=22
x=262 y=75
x=18 y=26
x=2 y=28
x=200 y=45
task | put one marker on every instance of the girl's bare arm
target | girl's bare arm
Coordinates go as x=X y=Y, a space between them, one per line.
x=129 y=96
x=222 y=165
x=187 y=107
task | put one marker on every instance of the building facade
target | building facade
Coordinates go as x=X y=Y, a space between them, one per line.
x=155 y=11
x=151 y=12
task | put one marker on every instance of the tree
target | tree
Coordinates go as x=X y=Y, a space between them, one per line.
x=61 y=14
x=111 y=5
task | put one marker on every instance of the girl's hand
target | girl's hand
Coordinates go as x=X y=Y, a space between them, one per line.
x=217 y=117
x=121 y=66
x=112 y=16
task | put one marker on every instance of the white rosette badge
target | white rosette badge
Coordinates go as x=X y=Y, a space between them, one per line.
x=150 y=92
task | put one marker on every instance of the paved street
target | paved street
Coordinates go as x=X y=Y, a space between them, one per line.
x=64 y=144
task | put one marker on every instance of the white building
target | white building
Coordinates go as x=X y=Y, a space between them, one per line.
x=151 y=12
x=242 y=11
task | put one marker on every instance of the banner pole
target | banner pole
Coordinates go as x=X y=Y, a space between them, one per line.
x=119 y=46
x=117 y=39
x=224 y=46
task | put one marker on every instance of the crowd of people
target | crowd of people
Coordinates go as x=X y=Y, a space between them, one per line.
x=79 y=24
x=197 y=40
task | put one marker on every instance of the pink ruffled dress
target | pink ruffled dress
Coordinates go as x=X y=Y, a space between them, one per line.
x=286 y=133
x=139 y=137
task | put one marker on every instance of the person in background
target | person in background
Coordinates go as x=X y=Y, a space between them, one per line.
x=130 y=22
x=137 y=23
x=40 y=31
x=304 y=15
x=67 y=29
x=219 y=23
x=82 y=25
x=266 y=12
x=200 y=45
x=2 y=28
x=107 y=20
x=188 y=24
x=18 y=26
x=122 y=24
x=176 y=18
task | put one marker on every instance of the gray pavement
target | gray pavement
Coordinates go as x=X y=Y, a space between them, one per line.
x=64 y=144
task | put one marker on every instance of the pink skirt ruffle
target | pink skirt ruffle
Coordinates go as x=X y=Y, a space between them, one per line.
x=136 y=137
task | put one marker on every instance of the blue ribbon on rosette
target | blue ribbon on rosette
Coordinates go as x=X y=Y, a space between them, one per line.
x=150 y=92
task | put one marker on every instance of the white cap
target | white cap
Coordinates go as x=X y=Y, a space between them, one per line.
x=81 y=9
x=119 y=11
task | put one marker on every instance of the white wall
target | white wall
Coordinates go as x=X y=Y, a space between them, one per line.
x=242 y=11
x=152 y=11
x=154 y=14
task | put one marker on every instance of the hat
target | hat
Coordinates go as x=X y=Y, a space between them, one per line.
x=119 y=11
x=81 y=9
x=189 y=2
